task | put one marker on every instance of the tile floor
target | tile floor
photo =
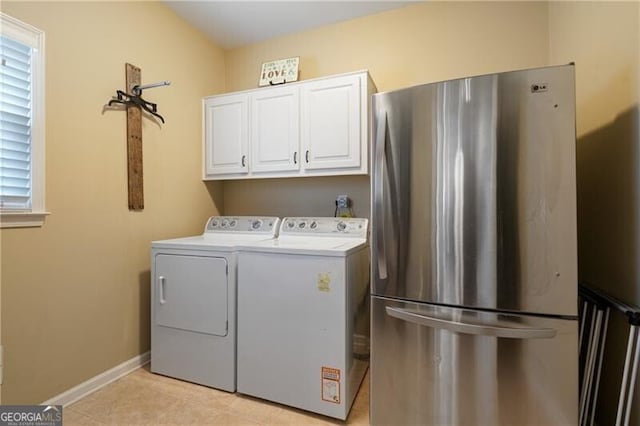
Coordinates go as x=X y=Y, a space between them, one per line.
x=145 y=398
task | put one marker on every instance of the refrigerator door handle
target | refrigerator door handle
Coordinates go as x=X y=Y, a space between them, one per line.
x=380 y=144
x=477 y=328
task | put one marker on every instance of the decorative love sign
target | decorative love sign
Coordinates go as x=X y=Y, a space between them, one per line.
x=279 y=71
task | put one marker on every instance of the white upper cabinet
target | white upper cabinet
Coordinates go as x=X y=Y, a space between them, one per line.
x=275 y=129
x=331 y=121
x=226 y=135
x=311 y=128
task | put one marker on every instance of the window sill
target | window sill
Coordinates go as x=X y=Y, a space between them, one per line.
x=22 y=220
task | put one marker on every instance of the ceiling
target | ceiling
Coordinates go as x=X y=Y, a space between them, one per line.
x=232 y=24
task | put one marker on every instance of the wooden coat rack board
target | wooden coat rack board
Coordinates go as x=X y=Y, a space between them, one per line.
x=134 y=143
x=135 y=104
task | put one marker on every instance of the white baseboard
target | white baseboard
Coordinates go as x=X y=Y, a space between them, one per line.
x=99 y=381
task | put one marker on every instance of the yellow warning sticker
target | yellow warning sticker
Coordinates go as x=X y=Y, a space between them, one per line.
x=331 y=385
x=324 y=281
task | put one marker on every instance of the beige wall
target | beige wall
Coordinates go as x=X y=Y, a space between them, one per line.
x=603 y=38
x=416 y=44
x=75 y=293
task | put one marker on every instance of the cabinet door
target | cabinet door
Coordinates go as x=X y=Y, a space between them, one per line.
x=226 y=135
x=275 y=130
x=331 y=123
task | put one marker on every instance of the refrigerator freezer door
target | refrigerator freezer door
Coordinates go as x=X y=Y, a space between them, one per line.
x=502 y=369
x=473 y=188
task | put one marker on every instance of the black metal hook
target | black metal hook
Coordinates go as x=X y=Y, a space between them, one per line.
x=127 y=99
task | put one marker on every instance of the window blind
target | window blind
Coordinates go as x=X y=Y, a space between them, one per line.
x=15 y=125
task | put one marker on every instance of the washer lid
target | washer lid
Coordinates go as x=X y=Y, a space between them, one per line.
x=307 y=246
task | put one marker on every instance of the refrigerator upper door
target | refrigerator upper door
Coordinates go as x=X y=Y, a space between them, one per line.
x=434 y=365
x=473 y=187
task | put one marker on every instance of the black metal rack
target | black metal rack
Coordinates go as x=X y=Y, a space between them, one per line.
x=596 y=306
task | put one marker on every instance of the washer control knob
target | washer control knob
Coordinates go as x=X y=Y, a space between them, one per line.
x=313 y=225
x=341 y=226
x=214 y=223
x=233 y=223
x=256 y=224
x=225 y=223
x=302 y=225
x=291 y=224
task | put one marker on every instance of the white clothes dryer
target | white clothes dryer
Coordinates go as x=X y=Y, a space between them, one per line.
x=303 y=313
x=193 y=300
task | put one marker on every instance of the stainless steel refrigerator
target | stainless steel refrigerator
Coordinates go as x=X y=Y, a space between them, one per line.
x=474 y=258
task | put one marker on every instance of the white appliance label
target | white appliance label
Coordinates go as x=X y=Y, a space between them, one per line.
x=331 y=385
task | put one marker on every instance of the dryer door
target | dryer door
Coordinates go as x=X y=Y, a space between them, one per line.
x=191 y=293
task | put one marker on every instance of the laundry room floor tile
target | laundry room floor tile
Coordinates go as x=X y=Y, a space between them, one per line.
x=74 y=418
x=146 y=398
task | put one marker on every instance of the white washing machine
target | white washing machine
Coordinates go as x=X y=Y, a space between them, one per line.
x=193 y=300
x=303 y=313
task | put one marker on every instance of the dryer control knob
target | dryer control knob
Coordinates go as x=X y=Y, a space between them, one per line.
x=313 y=225
x=341 y=226
x=256 y=224
x=232 y=223
x=214 y=223
x=301 y=225
x=291 y=224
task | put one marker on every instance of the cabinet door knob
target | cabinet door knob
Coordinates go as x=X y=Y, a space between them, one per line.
x=244 y=158
x=306 y=156
x=295 y=157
